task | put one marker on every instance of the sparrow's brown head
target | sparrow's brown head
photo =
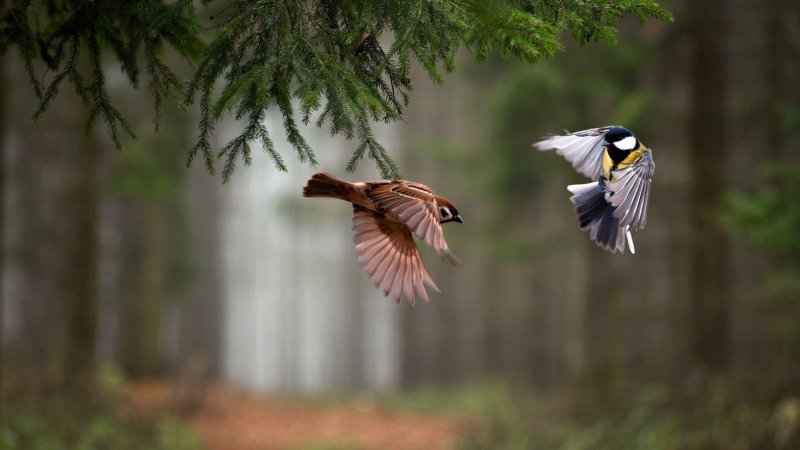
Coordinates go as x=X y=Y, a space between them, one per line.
x=447 y=211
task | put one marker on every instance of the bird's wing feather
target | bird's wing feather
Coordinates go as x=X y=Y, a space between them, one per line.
x=387 y=253
x=415 y=205
x=584 y=149
x=631 y=191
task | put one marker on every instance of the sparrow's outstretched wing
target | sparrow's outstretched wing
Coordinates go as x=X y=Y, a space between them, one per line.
x=631 y=191
x=415 y=205
x=387 y=253
x=584 y=149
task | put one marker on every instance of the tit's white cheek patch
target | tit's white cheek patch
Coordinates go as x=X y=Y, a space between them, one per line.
x=627 y=143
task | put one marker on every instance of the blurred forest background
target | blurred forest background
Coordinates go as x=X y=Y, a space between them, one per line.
x=125 y=266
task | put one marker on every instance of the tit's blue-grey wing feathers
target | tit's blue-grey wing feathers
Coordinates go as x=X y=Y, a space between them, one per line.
x=584 y=149
x=631 y=191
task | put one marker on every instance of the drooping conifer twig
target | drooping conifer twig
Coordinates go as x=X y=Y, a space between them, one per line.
x=341 y=64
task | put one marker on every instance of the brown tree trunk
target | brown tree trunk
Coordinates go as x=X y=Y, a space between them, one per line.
x=148 y=286
x=708 y=150
x=772 y=67
x=81 y=274
x=2 y=219
x=201 y=337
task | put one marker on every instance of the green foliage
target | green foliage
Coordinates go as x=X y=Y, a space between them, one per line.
x=103 y=421
x=770 y=216
x=58 y=33
x=705 y=415
x=57 y=425
x=490 y=399
x=150 y=167
x=331 y=58
x=346 y=63
x=142 y=175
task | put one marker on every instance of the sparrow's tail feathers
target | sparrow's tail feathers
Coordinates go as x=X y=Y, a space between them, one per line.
x=597 y=215
x=324 y=185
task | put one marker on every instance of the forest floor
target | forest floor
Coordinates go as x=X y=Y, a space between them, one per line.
x=231 y=419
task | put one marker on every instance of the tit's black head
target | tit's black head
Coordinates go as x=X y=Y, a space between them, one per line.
x=615 y=134
x=621 y=138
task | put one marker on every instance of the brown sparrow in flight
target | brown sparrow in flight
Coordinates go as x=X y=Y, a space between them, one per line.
x=385 y=213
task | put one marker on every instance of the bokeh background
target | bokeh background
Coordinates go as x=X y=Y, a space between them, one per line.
x=230 y=316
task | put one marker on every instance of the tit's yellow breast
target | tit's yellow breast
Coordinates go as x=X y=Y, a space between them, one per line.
x=608 y=163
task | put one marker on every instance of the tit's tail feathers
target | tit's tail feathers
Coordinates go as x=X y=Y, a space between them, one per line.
x=630 y=240
x=325 y=185
x=597 y=215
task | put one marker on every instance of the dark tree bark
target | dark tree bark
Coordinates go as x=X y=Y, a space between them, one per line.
x=773 y=66
x=81 y=276
x=143 y=355
x=201 y=338
x=2 y=219
x=709 y=265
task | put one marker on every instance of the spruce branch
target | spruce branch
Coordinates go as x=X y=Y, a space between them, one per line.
x=342 y=65
x=74 y=39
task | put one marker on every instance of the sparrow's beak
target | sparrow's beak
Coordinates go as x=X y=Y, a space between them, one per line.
x=458 y=219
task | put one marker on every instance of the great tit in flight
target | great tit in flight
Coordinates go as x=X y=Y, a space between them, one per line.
x=623 y=167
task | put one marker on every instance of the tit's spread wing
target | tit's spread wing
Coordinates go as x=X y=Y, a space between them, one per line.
x=415 y=205
x=584 y=149
x=387 y=253
x=631 y=190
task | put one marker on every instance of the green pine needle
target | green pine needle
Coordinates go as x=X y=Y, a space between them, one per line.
x=341 y=65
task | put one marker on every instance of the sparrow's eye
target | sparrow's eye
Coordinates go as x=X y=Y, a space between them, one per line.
x=444 y=212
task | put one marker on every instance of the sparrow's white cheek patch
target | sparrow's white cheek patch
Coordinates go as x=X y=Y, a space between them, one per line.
x=626 y=144
x=445 y=213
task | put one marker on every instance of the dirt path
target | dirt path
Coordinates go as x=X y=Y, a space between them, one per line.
x=231 y=419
